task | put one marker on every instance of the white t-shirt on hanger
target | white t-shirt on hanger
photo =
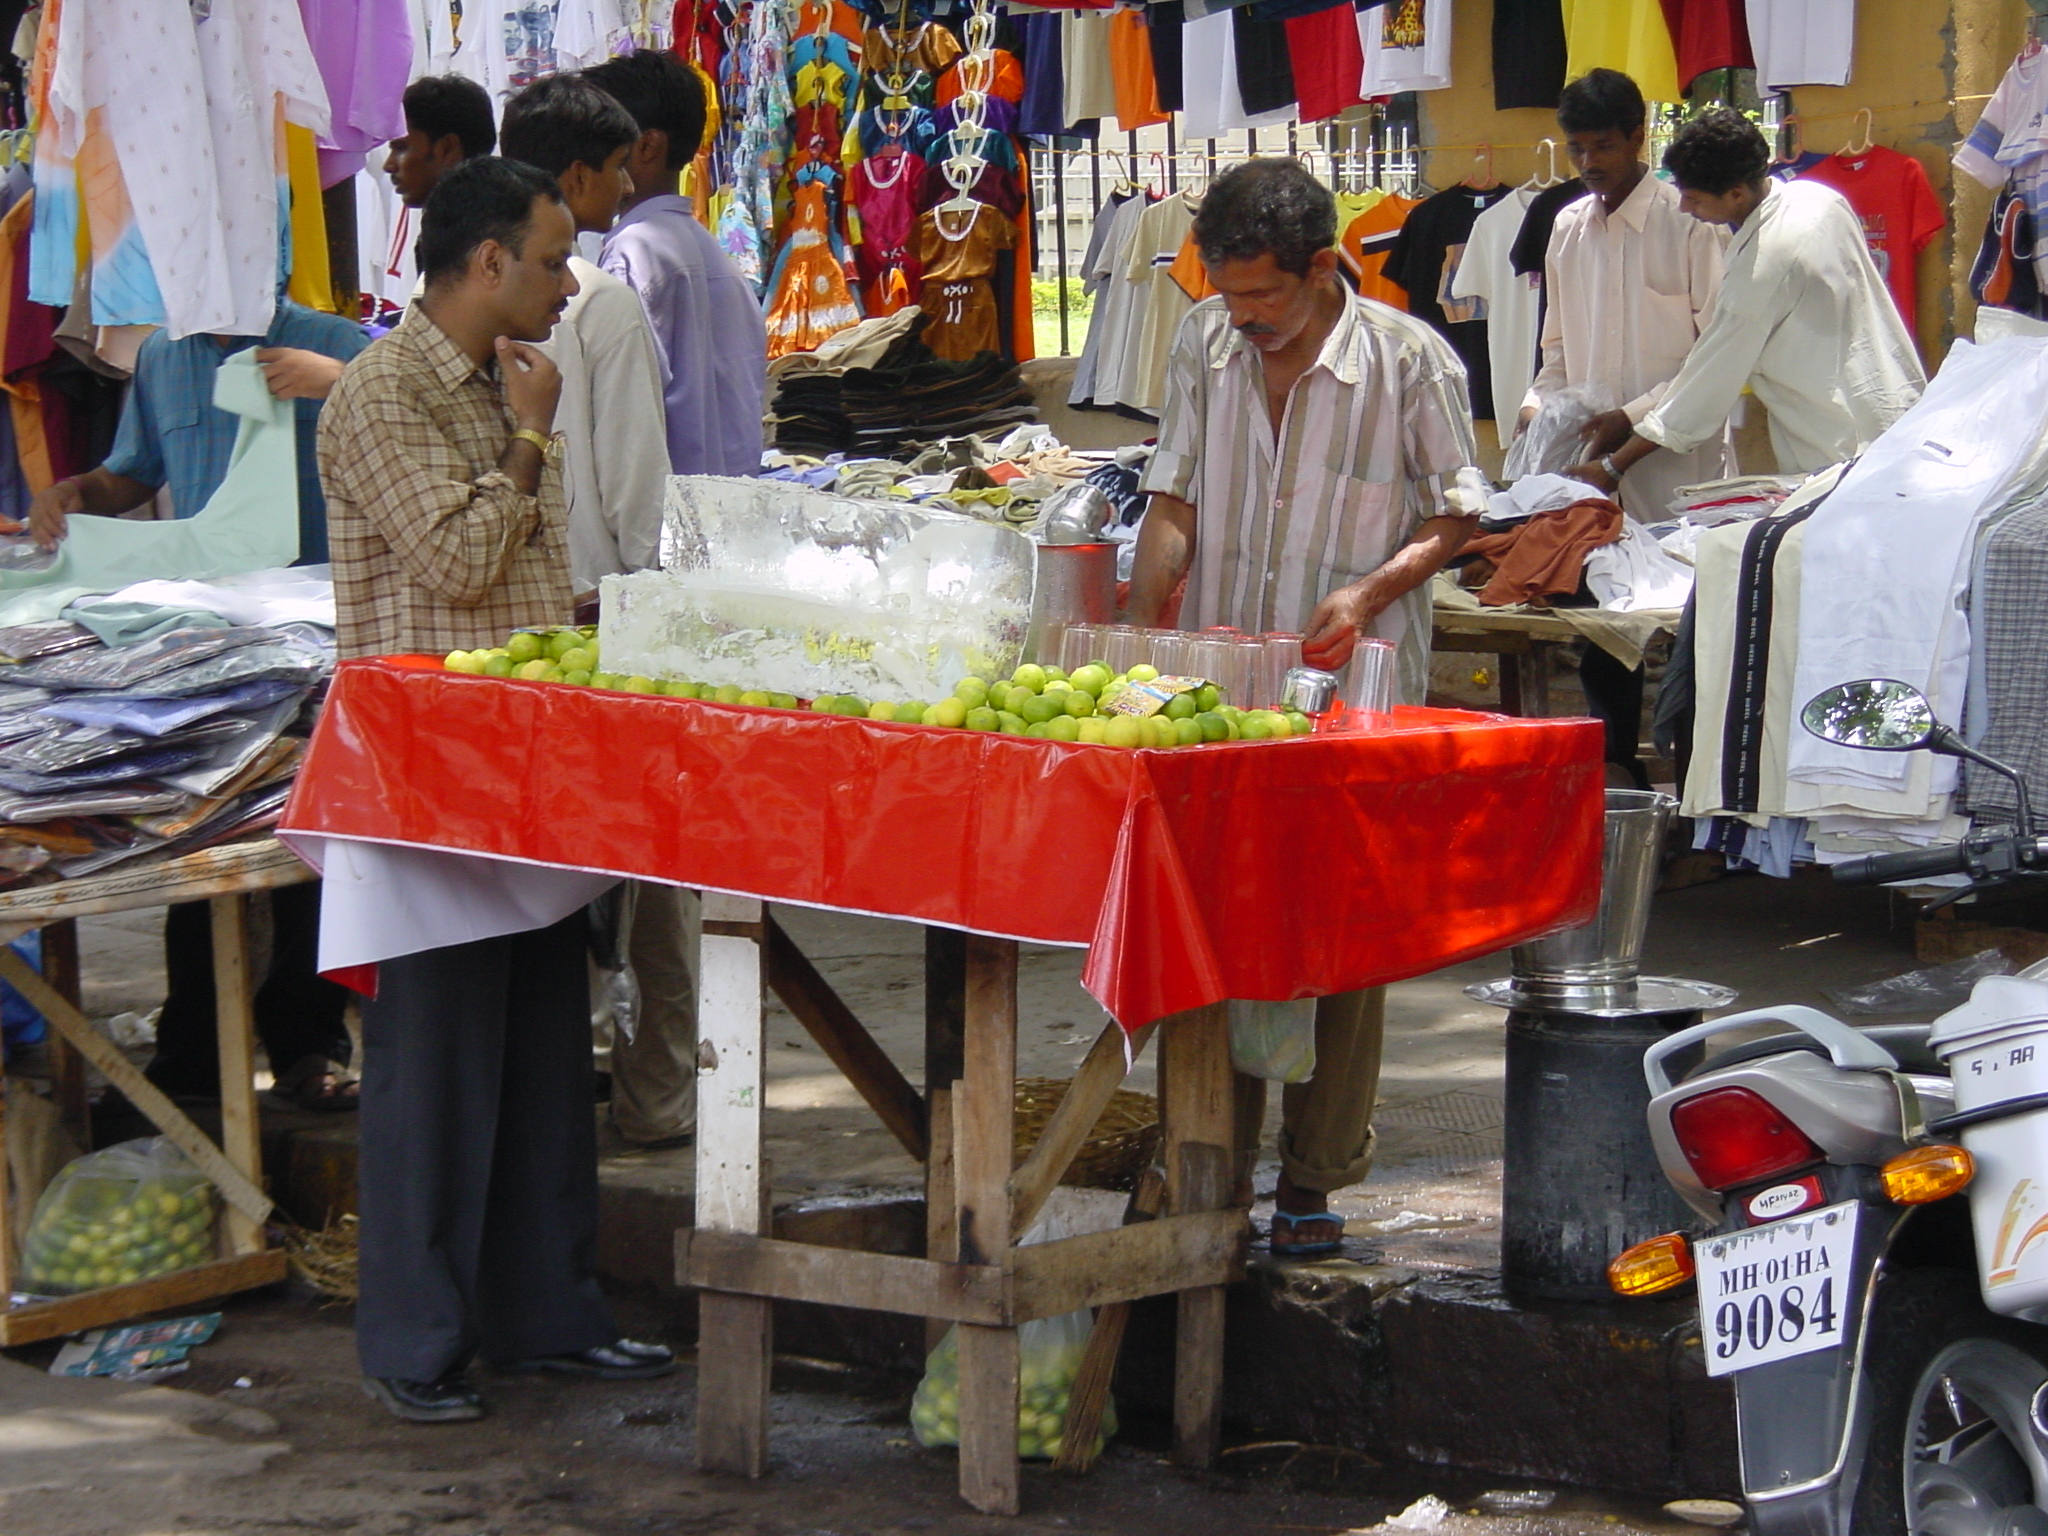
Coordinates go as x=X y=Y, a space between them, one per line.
x=1209 y=74
x=1802 y=42
x=1485 y=272
x=1088 y=88
x=1405 y=61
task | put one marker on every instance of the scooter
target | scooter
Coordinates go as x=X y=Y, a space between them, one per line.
x=1867 y=1274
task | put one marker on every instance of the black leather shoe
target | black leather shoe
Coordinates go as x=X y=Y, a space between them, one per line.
x=451 y=1400
x=621 y=1360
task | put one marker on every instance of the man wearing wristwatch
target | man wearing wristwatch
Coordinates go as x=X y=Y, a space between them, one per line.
x=477 y=1177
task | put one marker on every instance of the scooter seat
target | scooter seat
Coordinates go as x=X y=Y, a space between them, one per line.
x=1907 y=1042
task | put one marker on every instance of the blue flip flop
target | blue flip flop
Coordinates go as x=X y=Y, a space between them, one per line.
x=1292 y=1250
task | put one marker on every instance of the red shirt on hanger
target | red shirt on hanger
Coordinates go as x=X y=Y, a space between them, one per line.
x=1708 y=34
x=1891 y=195
x=1328 y=60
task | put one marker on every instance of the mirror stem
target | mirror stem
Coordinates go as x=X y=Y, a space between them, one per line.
x=1945 y=741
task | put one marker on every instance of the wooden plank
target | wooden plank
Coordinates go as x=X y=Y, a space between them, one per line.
x=1102 y=1072
x=843 y=1038
x=241 y=1137
x=61 y=969
x=841 y=1277
x=252 y=866
x=124 y=1303
x=1090 y=1394
x=945 y=1038
x=1483 y=645
x=1174 y=1253
x=1196 y=1100
x=172 y=1121
x=984 y=1113
x=735 y=1333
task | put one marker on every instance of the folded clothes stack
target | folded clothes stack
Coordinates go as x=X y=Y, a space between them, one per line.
x=902 y=400
x=187 y=737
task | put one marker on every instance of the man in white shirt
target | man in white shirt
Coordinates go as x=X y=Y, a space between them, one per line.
x=614 y=425
x=1803 y=320
x=1630 y=279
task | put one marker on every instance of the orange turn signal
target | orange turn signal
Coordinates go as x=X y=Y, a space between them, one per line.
x=1919 y=1175
x=1654 y=1265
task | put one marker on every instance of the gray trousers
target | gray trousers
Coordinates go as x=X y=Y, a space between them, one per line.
x=654 y=1075
x=477 y=1179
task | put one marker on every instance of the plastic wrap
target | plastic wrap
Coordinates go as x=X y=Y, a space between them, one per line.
x=1251 y=869
x=777 y=586
x=126 y=1213
x=1933 y=989
x=127 y=666
x=150 y=715
x=1276 y=1041
x=1554 y=441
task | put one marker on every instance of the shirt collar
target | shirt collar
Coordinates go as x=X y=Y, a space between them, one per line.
x=1766 y=208
x=1635 y=208
x=1338 y=354
x=661 y=202
x=451 y=365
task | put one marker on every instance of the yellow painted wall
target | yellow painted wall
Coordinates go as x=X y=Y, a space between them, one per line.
x=1923 y=69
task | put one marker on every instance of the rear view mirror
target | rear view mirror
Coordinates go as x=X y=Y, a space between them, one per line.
x=1877 y=714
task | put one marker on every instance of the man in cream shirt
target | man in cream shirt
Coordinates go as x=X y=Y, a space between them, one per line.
x=1630 y=279
x=1803 y=319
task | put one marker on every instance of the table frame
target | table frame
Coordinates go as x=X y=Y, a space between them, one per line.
x=225 y=877
x=980 y=1200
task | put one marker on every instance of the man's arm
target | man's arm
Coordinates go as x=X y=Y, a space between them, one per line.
x=1166 y=548
x=293 y=373
x=100 y=492
x=1341 y=617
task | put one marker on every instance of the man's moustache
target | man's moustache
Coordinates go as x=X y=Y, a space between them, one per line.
x=1254 y=328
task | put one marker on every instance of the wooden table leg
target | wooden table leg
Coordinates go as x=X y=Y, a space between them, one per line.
x=1536 y=679
x=984 y=1147
x=945 y=1033
x=61 y=966
x=241 y=1137
x=1511 y=694
x=735 y=1334
x=1196 y=1103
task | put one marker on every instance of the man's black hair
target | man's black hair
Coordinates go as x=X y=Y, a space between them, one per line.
x=438 y=105
x=562 y=121
x=1602 y=99
x=481 y=199
x=1717 y=152
x=1266 y=207
x=659 y=92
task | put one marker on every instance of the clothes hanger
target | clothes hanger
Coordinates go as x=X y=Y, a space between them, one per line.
x=1795 y=130
x=1481 y=178
x=1860 y=142
x=1550 y=176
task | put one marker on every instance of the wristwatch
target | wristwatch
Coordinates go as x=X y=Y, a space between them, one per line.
x=550 y=447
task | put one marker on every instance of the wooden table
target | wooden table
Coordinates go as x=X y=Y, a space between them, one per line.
x=1520 y=643
x=224 y=876
x=974 y=1275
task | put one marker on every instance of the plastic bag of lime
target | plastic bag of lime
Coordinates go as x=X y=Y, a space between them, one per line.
x=126 y=1213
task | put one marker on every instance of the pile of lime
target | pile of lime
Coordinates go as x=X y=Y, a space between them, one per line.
x=99 y=1231
x=1037 y=701
x=1045 y=1382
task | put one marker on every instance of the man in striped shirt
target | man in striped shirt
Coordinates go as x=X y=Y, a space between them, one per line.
x=1314 y=470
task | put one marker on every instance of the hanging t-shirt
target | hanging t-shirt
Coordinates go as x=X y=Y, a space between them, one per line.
x=1363 y=247
x=1528 y=54
x=1088 y=83
x=1532 y=245
x=1163 y=21
x=1044 y=109
x=1891 y=195
x=1407 y=47
x=1130 y=64
x=1328 y=61
x=1424 y=261
x=1209 y=77
x=1628 y=35
x=1486 y=273
x=1265 y=74
x=1797 y=166
x=1154 y=248
x=1707 y=34
x=1801 y=42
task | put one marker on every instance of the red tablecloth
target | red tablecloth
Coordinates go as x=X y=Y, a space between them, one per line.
x=1253 y=869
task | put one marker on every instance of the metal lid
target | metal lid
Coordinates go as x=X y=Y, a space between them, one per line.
x=1606 y=1000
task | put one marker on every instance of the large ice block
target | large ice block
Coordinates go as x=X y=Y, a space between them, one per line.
x=776 y=586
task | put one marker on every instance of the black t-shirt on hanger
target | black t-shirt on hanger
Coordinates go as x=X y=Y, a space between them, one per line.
x=1163 y=19
x=1532 y=245
x=1528 y=54
x=1265 y=71
x=1432 y=239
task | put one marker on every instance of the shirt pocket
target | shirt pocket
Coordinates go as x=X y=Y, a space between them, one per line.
x=1355 y=528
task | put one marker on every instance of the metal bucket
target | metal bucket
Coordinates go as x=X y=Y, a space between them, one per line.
x=1608 y=951
x=1076 y=585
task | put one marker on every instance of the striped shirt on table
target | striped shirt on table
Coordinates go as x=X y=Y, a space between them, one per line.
x=434 y=548
x=1372 y=440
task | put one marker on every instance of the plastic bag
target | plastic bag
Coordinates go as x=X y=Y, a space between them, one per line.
x=1049 y=1350
x=1276 y=1041
x=1932 y=990
x=128 y=1213
x=126 y=666
x=1553 y=443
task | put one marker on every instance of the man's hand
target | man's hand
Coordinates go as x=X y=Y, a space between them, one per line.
x=1606 y=432
x=533 y=384
x=49 y=512
x=1339 y=619
x=1595 y=474
x=296 y=374
x=1522 y=420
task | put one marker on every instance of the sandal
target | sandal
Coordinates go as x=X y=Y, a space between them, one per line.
x=317 y=1084
x=1289 y=1244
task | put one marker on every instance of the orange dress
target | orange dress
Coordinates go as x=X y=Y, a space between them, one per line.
x=810 y=301
x=958 y=253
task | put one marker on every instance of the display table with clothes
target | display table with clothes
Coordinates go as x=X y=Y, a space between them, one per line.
x=1166 y=873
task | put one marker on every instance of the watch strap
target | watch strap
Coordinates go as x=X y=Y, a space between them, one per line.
x=540 y=440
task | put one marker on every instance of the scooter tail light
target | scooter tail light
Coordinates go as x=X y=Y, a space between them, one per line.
x=1735 y=1136
x=1652 y=1266
x=1922 y=1175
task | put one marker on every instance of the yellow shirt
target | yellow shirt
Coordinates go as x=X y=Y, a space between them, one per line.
x=1628 y=35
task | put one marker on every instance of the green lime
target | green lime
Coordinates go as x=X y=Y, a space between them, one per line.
x=1189 y=732
x=850 y=704
x=580 y=678
x=822 y=704
x=1142 y=673
x=1038 y=709
x=1301 y=725
x=605 y=679
x=951 y=713
x=982 y=719
x=1038 y=730
x=683 y=688
x=1124 y=731
x=782 y=700
x=1010 y=724
x=728 y=693
x=1078 y=703
x=1031 y=676
x=562 y=642
x=1213 y=726
x=536 y=671
x=577 y=658
x=754 y=698
x=1094 y=729
x=911 y=713
x=1063 y=728
x=881 y=710
x=1207 y=697
x=972 y=689
x=1181 y=707
x=462 y=661
x=1092 y=678
x=1254 y=729
x=638 y=684
x=525 y=647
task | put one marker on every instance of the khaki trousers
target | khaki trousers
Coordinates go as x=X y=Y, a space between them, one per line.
x=654 y=1075
x=1325 y=1123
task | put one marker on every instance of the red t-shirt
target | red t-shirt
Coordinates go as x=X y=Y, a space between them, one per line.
x=1891 y=195
x=1324 y=50
x=1708 y=34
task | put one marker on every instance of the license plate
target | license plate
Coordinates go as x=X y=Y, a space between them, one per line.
x=1771 y=1292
